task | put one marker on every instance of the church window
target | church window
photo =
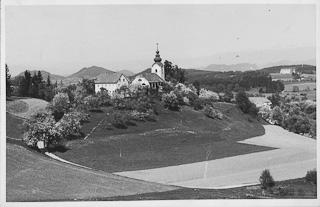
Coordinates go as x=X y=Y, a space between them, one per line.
x=139 y=80
x=156 y=70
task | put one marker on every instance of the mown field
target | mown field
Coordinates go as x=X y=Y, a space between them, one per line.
x=302 y=86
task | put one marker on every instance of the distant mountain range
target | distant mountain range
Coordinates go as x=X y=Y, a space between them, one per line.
x=45 y=75
x=91 y=72
x=236 y=67
x=126 y=72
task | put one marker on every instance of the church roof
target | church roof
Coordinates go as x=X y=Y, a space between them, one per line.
x=151 y=77
x=108 y=78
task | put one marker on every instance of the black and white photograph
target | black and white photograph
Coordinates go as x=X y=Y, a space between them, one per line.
x=159 y=103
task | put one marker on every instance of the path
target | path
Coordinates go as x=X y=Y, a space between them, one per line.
x=294 y=157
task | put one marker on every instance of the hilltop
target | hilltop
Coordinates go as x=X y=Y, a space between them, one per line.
x=45 y=75
x=91 y=72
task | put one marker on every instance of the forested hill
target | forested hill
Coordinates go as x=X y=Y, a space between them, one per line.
x=308 y=69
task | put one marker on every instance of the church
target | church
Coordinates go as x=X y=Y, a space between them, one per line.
x=153 y=79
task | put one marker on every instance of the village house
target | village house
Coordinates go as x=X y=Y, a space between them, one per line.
x=287 y=70
x=110 y=81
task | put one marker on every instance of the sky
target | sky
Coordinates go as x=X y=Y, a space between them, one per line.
x=63 y=39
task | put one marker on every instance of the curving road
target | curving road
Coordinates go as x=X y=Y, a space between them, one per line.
x=294 y=156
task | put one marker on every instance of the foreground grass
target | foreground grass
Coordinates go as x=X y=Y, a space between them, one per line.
x=25 y=107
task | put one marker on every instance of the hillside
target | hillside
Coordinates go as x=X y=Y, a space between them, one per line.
x=173 y=138
x=235 y=67
x=309 y=69
x=91 y=72
x=45 y=74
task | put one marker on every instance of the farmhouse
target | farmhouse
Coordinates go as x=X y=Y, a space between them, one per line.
x=260 y=102
x=153 y=79
x=281 y=77
x=287 y=71
x=110 y=81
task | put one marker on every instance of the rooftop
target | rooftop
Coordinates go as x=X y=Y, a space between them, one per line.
x=108 y=78
x=151 y=77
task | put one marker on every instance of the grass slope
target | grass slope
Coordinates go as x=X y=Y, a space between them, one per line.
x=175 y=138
x=24 y=108
x=32 y=176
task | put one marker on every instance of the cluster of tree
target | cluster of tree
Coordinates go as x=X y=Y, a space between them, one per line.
x=298 y=116
x=174 y=73
x=236 y=81
x=34 y=86
x=245 y=105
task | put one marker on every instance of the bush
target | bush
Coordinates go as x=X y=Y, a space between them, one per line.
x=266 y=180
x=170 y=100
x=197 y=104
x=91 y=102
x=104 y=98
x=212 y=113
x=277 y=115
x=120 y=120
x=311 y=176
x=42 y=127
x=209 y=95
x=70 y=124
x=297 y=124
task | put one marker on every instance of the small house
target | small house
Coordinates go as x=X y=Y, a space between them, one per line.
x=110 y=81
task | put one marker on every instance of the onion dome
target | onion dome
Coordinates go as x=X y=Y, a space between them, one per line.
x=157 y=58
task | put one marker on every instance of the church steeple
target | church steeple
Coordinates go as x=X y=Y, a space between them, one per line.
x=157 y=58
x=157 y=66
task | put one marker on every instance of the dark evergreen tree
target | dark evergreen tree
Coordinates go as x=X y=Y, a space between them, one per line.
x=9 y=88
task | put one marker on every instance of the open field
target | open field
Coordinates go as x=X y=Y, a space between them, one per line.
x=175 y=138
x=24 y=108
x=302 y=86
x=33 y=177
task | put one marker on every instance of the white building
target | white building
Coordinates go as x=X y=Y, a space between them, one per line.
x=110 y=81
x=287 y=70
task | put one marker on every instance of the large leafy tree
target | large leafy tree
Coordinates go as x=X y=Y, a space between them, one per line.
x=8 y=82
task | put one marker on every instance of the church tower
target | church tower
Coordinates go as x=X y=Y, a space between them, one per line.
x=157 y=66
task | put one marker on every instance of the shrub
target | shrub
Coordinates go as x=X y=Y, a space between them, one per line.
x=119 y=120
x=212 y=113
x=266 y=179
x=170 y=100
x=61 y=102
x=70 y=124
x=210 y=95
x=104 y=98
x=42 y=127
x=311 y=176
x=297 y=124
x=91 y=102
x=277 y=115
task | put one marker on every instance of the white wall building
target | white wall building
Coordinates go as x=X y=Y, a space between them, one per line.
x=110 y=81
x=287 y=70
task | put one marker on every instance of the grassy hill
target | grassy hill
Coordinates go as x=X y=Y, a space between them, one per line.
x=91 y=72
x=299 y=68
x=174 y=138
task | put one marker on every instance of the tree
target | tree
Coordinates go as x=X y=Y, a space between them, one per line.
x=266 y=180
x=277 y=115
x=275 y=99
x=196 y=84
x=243 y=102
x=9 y=88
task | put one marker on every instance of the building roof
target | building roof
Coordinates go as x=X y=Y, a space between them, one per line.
x=151 y=77
x=257 y=100
x=108 y=77
x=280 y=76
